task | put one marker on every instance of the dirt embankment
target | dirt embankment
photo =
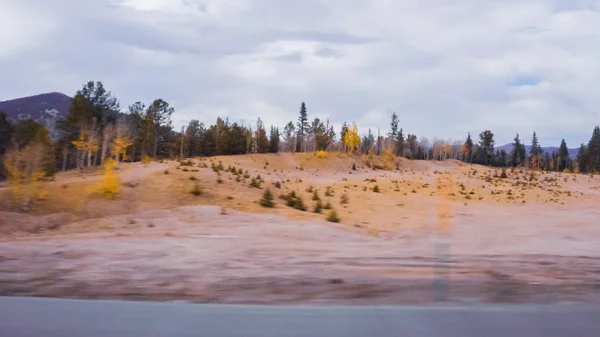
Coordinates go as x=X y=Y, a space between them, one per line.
x=529 y=237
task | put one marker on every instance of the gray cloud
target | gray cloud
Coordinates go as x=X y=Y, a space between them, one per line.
x=446 y=69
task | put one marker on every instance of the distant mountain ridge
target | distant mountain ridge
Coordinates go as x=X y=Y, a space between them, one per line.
x=41 y=108
x=509 y=147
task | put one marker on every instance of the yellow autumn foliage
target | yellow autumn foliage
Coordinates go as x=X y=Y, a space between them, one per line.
x=24 y=170
x=352 y=138
x=388 y=159
x=322 y=154
x=109 y=187
x=146 y=159
x=119 y=147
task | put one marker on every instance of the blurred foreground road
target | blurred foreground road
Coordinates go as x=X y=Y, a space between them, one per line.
x=33 y=317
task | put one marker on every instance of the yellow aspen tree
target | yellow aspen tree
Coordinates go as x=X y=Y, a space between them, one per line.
x=25 y=169
x=351 y=138
x=119 y=147
x=447 y=150
x=388 y=159
x=109 y=187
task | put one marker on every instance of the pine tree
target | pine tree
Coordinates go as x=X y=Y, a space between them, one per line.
x=6 y=132
x=535 y=152
x=274 y=140
x=302 y=129
x=289 y=133
x=400 y=143
x=592 y=156
x=468 y=148
x=343 y=132
x=394 y=127
x=518 y=152
x=563 y=155
x=267 y=199
x=262 y=142
x=486 y=145
x=581 y=158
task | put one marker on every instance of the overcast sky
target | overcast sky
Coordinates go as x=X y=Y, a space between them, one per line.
x=445 y=67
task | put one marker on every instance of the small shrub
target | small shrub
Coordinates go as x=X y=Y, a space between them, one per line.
x=309 y=189
x=277 y=184
x=318 y=206
x=229 y=197
x=376 y=189
x=166 y=172
x=267 y=199
x=321 y=154
x=238 y=179
x=254 y=183
x=146 y=159
x=364 y=188
x=344 y=199
x=333 y=217
x=327 y=205
x=219 y=180
x=353 y=167
x=192 y=178
x=196 y=190
x=328 y=192
x=503 y=175
x=186 y=163
x=185 y=170
x=315 y=196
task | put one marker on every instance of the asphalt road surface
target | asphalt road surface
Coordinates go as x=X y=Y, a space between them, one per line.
x=33 y=317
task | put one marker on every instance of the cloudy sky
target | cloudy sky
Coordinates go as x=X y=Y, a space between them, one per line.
x=445 y=67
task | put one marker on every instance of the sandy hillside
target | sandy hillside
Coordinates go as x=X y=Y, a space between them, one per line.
x=526 y=237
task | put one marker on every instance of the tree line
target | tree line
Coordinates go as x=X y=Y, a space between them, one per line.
x=96 y=128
